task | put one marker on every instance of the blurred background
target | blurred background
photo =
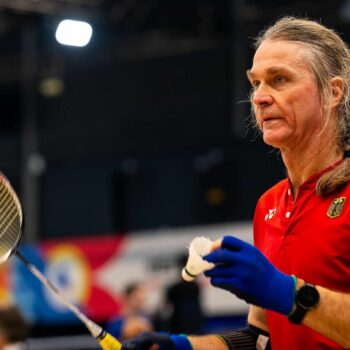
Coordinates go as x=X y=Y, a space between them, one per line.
x=125 y=149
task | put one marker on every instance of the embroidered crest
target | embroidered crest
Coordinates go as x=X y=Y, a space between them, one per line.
x=336 y=208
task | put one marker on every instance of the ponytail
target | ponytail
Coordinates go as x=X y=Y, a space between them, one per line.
x=334 y=180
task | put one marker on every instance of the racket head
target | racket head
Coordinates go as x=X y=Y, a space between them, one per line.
x=11 y=220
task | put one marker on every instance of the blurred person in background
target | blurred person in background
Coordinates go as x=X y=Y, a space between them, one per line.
x=297 y=276
x=133 y=319
x=14 y=329
x=184 y=299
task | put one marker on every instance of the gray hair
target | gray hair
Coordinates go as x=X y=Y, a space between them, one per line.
x=328 y=56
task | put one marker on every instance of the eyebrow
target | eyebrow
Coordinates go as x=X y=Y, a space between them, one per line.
x=271 y=70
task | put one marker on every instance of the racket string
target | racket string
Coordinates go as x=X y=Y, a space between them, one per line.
x=10 y=218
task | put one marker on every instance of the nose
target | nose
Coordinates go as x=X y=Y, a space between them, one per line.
x=261 y=97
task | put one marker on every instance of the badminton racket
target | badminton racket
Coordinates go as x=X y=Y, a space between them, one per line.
x=11 y=232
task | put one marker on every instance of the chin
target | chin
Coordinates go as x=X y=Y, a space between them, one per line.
x=273 y=140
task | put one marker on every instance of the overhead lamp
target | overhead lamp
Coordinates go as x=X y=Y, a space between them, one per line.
x=73 y=33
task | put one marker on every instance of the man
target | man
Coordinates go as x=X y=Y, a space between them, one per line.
x=301 y=101
x=133 y=319
x=184 y=300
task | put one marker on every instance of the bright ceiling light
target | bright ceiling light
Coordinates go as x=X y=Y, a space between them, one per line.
x=73 y=33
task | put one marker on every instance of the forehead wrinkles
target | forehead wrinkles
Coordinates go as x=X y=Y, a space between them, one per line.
x=302 y=58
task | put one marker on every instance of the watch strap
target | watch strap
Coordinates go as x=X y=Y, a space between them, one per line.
x=300 y=309
x=297 y=316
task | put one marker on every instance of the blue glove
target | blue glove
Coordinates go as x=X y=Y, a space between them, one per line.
x=243 y=270
x=165 y=341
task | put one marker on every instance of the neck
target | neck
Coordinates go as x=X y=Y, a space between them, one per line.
x=301 y=165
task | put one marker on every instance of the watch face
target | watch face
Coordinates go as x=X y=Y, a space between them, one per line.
x=307 y=296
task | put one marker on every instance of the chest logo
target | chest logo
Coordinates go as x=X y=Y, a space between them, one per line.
x=336 y=208
x=270 y=214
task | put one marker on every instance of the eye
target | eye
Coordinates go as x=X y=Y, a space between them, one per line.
x=280 y=79
x=255 y=83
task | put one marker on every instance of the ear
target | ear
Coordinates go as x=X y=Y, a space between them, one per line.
x=337 y=89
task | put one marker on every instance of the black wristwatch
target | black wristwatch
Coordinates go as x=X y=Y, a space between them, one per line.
x=306 y=298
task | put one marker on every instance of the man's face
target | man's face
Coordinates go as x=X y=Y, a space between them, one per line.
x=137 y=299
x=285 y=97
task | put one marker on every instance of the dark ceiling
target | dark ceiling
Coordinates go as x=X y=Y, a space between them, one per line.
x=158 y=88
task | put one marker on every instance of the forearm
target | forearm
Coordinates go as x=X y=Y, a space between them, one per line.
x=207 y=342
x=244 y=339
x=331 y=317
x=247 y=338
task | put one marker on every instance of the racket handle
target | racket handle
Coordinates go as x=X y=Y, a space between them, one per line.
x=108 y=342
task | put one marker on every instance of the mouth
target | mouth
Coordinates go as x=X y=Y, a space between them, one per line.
x=268 y=120
x=264 y=119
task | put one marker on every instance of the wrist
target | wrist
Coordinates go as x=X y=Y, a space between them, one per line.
x=296 y=282
x=307 y=298
x=181 y=342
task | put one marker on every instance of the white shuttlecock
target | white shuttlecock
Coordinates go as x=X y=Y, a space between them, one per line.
x=199 y=247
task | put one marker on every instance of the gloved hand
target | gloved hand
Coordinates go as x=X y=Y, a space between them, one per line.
x=243 y=270
x=165 y=341
x=147 y=339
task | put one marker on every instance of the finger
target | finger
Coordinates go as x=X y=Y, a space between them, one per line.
x=216 y=244
x=221 y=271
x=226 y=283
x=221 y=256
x=233 y=243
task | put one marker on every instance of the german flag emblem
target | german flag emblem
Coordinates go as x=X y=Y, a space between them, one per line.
x=336 y=208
